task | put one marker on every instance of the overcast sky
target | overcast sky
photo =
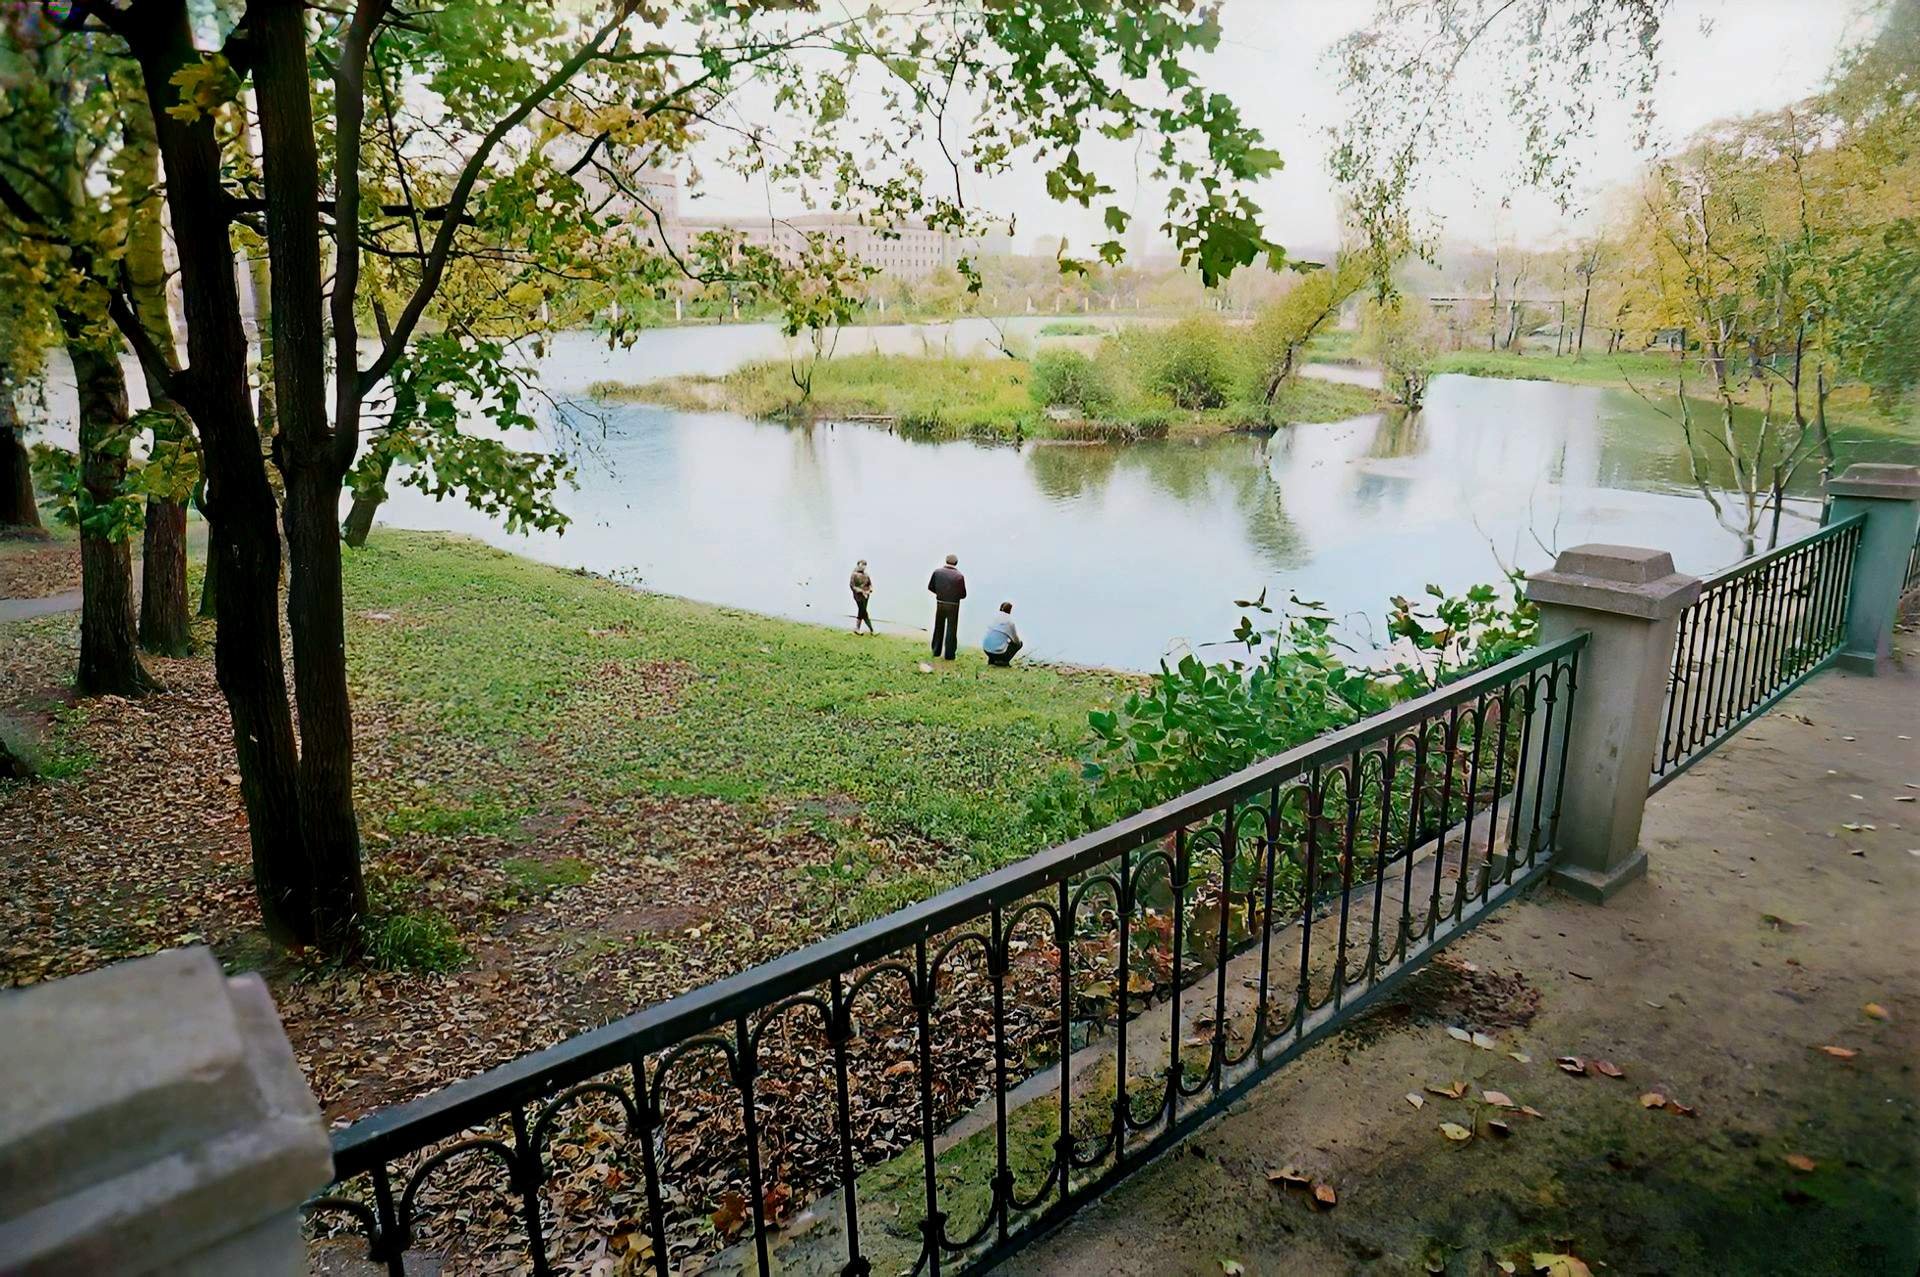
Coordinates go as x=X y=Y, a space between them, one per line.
x=1718 y=58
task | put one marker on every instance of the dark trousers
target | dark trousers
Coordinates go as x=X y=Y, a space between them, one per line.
x=946 y=629
x=1006 y=657
x=860 y=610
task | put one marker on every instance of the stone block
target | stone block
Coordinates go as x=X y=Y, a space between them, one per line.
x=154 y=1119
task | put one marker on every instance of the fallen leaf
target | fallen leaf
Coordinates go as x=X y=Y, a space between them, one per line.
x=1572 y=1064
x=1608 y=1068
x=1875 y=1011
x=1531 y=1111
x=1498 y=1099
x=1288 y=1176
x=732 y=1213
x=1652 y=1100
x=1678 y=1109
x=1232 y=1268
x=1414 y=1098
x=1559 y=1265
x=1451 y=1091
x=1499 y=1127
x=1840 y=1052
x=1521 y=1056
x=1485 y=1043
x=1455 y=1132
x=1459 y=1034
x=1778 y=923
x=1506 y=1265
x=1801 y=1162
x=1323 y=1196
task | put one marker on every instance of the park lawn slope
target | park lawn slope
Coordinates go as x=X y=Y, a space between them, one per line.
x=946 y=396
x=577 y=800
x=1850 y=409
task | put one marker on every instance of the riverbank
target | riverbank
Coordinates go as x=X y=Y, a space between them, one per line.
x=577 y=800
x=1850 y=409
x=945 y=396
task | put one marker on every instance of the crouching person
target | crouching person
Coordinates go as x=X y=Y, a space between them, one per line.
x=1002 y=642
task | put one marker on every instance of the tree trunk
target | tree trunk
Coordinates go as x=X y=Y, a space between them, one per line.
x=244 y=544
x=165 y=627
x=109 y=660
x=18 y=511
x=1580 y=341
x=12 y=765
x=308 y=460
x=366 y=503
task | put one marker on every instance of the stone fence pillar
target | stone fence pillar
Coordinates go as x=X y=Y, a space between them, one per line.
x=153 y=1121
x=1629 y=600
x=1889 y=496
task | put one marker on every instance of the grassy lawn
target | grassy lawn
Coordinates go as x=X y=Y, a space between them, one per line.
x=648 y=694
x=577 y=800
x=944 y=396
x=1658 y=375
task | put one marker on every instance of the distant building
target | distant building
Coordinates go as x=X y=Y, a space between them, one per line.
x=910 y=251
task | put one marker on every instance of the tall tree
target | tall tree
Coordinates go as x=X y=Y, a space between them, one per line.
x=61 y=108
x=532 y=100
x=165 y=626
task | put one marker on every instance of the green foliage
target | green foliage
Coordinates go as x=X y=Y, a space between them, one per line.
x=440 y=379
x=1199 y=721
x=1071 y=328
x=1070 y=379
x=1276 y=344
x=1192 y=363
x=1459 y=633
x=396 y=934
x=57 y=474
x=1401 y=336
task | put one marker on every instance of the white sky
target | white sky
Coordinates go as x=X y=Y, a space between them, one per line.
x=1719 y=58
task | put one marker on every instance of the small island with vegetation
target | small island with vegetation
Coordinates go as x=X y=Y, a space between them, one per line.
x=1196 y=377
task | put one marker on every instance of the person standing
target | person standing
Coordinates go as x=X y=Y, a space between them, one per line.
x=862 y=586
x=948 y=587
x=1002 y=642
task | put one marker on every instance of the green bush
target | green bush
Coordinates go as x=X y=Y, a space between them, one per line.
x=1069 y=379
x=398 y=934
x=1192 y=363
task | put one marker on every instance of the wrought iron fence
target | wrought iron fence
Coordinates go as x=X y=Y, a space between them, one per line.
x=940 y=1085
x=1911 y=581
x=1756 y=632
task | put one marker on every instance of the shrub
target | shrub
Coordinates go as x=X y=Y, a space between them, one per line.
x=1069 y=379
x=1192 y=363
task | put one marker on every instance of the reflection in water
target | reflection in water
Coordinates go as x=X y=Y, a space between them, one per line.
x=1116 y=554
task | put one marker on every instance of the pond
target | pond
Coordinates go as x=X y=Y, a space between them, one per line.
x=1112 y=555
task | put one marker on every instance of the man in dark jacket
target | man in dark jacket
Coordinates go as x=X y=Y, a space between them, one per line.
x=948 y=587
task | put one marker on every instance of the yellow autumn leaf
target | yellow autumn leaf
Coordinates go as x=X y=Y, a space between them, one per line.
x=1559 y=1265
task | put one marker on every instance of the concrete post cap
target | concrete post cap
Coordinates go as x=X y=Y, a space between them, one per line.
x=1877 y=479
x=152 y=1109
x=1624 y=580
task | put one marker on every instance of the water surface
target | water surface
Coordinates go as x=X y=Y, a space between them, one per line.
x=1117 y=555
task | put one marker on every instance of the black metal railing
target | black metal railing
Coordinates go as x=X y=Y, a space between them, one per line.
x=1756 y=632
x=941 y=1084
x=1911 y=581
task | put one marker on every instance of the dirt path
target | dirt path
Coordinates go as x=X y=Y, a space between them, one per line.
x=1758 y=939
x=27 y=609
